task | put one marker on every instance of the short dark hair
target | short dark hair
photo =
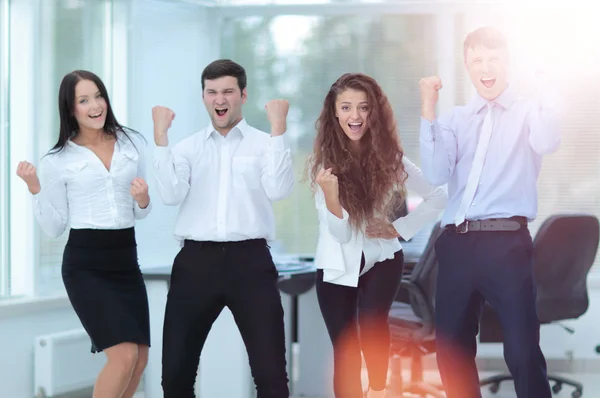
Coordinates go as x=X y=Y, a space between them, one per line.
x=487 y=37
x=224 y=67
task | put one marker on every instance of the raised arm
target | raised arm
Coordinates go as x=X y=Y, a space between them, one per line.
x=436 y=138
x=545 y=124
x=277 y=172
x=139 y=187
x=331 y=213
x=49 y=194
x=172 y=166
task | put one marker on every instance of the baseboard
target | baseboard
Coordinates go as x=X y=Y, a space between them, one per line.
x=83 y=393
x=555 y=365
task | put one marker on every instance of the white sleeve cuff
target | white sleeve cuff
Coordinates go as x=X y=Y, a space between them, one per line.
x=278 y=143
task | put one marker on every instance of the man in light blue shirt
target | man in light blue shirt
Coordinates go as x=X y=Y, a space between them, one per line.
x=489 y=152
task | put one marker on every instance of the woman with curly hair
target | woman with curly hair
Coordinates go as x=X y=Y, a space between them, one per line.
x=360 y=176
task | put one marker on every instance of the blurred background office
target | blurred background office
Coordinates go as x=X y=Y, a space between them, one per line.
x=152 y=52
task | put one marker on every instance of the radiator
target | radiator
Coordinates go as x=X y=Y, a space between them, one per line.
x=63 y=363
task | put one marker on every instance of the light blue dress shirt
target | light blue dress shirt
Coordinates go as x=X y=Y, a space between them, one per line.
x=524 y=130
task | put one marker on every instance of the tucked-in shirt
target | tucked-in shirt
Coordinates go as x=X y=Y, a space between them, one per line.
x=225 y=184
x=340 y=246
x=78 y=190
x=523 y=131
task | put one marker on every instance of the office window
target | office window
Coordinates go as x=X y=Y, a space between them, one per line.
x=72 y=36
x=397 y=50
x=301 y=65
x=178 y=52
x=4 y=151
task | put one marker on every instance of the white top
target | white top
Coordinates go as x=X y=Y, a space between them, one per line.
x=77 y=189
x=225 y=185
x=340 y=247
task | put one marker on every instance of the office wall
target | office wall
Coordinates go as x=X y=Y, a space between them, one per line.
x=169 y=47
x=19 y=326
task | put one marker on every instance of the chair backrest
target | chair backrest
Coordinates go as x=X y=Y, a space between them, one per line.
x=564 y=250
x=424 y=273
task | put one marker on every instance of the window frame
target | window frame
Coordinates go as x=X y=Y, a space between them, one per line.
x=474 y=14
x=444 y=20
x=23 y=230
x=4 y=148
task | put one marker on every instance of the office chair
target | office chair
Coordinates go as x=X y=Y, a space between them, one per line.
x=412 y=325
x=564 y=249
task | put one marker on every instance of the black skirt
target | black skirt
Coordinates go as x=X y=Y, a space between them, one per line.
x=104 y=283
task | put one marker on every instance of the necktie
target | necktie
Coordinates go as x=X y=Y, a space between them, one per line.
x=477 y=166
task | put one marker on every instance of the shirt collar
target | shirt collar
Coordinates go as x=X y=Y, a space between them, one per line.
x=242 y=127
x=505 y=100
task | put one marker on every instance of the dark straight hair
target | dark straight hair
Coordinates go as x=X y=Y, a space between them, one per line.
x=66 y=106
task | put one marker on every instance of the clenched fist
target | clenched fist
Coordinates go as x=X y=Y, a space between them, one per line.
x=162 y=118
x=139 y=191
x=27 y=172
x=328 y=183
x=277 y=111
x=429 y=95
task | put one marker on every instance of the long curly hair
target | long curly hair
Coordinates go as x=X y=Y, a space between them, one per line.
x=370 y=177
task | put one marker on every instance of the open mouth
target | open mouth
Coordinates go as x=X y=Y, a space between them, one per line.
x=355 y=127
x=221 y=111
x=488 y=81
x=96 y=115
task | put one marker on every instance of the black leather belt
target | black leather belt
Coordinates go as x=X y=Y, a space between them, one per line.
x=491 y=224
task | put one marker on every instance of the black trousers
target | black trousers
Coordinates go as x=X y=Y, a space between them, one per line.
x=357 y=320
x=495 y=267
x=206 y=277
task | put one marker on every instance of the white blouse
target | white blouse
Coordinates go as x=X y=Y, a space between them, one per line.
x=77 y=189
x=340 y=247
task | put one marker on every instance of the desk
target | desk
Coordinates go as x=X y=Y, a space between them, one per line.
x=224 y=369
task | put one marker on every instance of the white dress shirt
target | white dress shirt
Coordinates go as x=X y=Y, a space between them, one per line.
x=225 y=184
x=524 y=131
x=77 y=189
x=340 y=246
x=477 y=166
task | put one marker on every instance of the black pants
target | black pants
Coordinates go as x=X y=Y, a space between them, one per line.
x=495 y=267
x=357 y=319
x=206 y=277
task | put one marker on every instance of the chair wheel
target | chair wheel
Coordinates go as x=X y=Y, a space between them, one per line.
x=494 y=388
x=577 y=394
x=556 y=388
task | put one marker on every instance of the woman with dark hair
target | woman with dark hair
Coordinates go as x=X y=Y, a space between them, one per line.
x=93 y=180
x=360 y=176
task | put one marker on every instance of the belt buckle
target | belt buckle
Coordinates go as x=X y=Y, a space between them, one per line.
x=462 y=228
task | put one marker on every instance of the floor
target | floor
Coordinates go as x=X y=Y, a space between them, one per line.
x=590 y=382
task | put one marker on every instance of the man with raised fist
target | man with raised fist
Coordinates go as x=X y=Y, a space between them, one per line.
x=224 y=178
x=489 y=153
